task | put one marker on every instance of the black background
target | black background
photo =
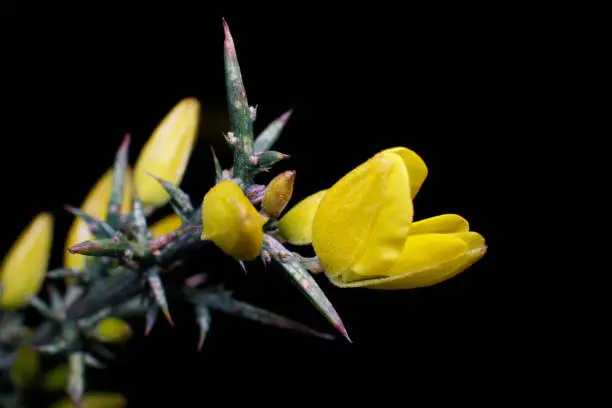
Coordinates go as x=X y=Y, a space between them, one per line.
x=440 y=81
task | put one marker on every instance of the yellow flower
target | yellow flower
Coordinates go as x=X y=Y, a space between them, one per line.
x=113 y=330
x=363 y=233
x=278 y=193
x=165 y=225
x=231 y=222
x=167 y=152
x=95 y=400
x=26 y=368
x=24 y=267
x=95 y=204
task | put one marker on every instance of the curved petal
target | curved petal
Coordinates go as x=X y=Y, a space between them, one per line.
x=167 y=152
x=446 y=223
x=296 y=225
x=166 y=225
x=24 y=267
x=231 y=222
x=475 y=249
x=363 y=220
x=417 y=169
x=96 y=204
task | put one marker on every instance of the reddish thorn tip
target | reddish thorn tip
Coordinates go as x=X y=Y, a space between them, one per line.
x=69 y=208
x=285 y=116
x=126 y=141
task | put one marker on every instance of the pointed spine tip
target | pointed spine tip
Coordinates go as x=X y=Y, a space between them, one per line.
x=126 y=141
x=285 y=116
x=226 y=31
x=70 y=208
x=153 y=175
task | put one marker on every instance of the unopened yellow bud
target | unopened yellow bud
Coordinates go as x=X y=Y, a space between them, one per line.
x=95 y=400
x=167 y=152
x=96 y=204
x=113 y=330
x=278 y=193
x=26 y=368
x=231 y=222
x=166 y=225
x=56 y=379
x=24 y=267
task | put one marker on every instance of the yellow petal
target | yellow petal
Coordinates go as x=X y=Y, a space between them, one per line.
x=167 y=152
x=166 y=225
x=112 y=330
x=363 y=220
x=439 y=257
x=296 y=224
x=26 y=368
x=445 y=223
x=95 y=400
x=24 y=267
x=56 y=378
x=278 y=193
x=231 y=222
x=96 y=204
x=417 y=169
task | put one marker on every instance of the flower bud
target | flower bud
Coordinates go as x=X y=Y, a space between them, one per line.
x=278 y=193
x=231 y=222
x=95 y=400
x=167 y=152
x=112 y=330
x=166 y=225
x=26 y=368
x=24 y=267
x=95 y=204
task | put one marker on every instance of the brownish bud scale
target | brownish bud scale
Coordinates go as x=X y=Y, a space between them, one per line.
x=278 y=193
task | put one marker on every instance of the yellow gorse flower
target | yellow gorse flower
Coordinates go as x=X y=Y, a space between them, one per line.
x=23 y=269
x=165 y=225
x=231 y=221
x=95 y=204
x=363 y=233
x=112 y=330
x=95 y=400
x=167 y=152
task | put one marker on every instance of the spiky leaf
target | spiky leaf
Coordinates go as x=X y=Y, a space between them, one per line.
x=271 y=133
x=113 y=216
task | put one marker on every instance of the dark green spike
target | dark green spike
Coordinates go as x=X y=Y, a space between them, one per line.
x=271 y=133
x=92 y=361
x=56 y=300
x=63 y=273
x=76 y=378
x=264 y=161
x=218 y=168
x=107 y=293
x=157 y=289
x=304 y=281
x=43 y=308
x=98 y=228
x=203 y=319
x=139 y=220
x=179 y=200
x=115 y=248
x=151 y=318
x=241 y=121
x=223 y=302
x=113 y=216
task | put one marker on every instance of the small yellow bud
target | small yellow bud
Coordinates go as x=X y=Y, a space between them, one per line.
x=95 y=400
x=24 y=267
x=165 y=225
x=96 y=204
x=56 y=379
x=112 y=330
x=167 y=152
x=278 y=193
x=231 y=222
x=26 y=368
